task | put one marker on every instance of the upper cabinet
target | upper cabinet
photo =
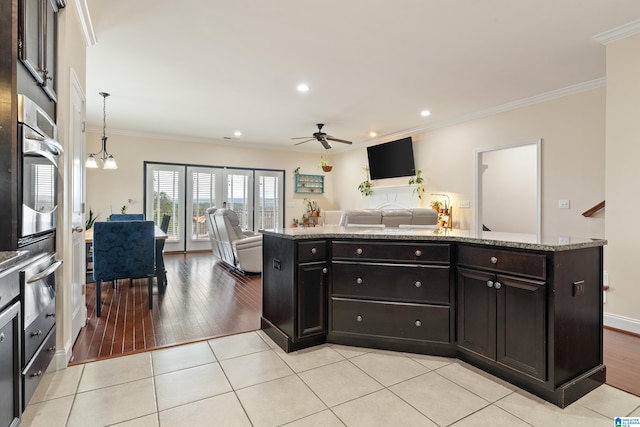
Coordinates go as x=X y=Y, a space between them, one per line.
x=37 y=41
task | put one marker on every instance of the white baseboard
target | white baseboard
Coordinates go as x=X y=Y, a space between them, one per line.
x=61 y=359
x=620 y=322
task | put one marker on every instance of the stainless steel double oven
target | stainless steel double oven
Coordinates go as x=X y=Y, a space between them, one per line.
x=38 y=203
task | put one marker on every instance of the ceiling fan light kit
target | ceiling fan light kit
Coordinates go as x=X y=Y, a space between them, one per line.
x=322 y=137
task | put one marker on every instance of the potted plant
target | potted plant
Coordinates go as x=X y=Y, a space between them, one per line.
x=89 y=223
x=417 y=180
x=436 y=205
x=326 y=166
x=305 y=220
x=365 y=186
x=295 y=223
x=312 y=207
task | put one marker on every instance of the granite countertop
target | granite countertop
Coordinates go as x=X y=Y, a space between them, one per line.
x=9 y=258
x=492 y=238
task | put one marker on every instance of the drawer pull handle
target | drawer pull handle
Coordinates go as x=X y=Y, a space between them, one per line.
x=418 y=323
x=36 y=374
x=314 y=250
x=493 y=260
x=418 y=284
x=325 y=270
x=359 y=280
x=35 y=334
x=50 y=315
x=490 y=283
x=418 y=252
x=359 y=251
x=52 y=348
x=498 y=285
x=359 y=318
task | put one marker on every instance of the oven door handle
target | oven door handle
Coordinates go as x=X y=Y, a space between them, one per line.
x=52 y=146
x=49 y=270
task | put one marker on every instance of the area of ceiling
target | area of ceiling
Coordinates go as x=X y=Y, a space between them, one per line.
x=200 y=70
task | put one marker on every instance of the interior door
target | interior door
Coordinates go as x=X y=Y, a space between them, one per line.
x=78 y=192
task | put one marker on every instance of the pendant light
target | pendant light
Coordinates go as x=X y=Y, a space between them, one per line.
x=108 y=161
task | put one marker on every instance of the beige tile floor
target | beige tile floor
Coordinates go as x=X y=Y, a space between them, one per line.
x=245 y=380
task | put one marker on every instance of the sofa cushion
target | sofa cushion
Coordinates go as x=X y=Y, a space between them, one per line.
x=424 y=216
x=395 y=217
x=361 y=216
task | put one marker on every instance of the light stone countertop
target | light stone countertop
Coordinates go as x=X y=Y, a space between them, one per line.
x=10 y=258
x=491 y=238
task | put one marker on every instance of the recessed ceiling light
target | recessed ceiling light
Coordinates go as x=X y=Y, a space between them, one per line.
x=237 y=134
x=303 y=87
x=373 y=134
x=425 y=113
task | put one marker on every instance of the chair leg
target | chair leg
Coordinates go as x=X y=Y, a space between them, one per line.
x=150 y=285
x=98 y=298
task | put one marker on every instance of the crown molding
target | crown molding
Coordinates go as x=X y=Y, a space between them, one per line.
x=85 y=22
x=521 y=103
x=618 y=33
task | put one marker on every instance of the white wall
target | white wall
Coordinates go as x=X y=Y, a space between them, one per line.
x=108 y=190
x=572 y=132
x=622 y=157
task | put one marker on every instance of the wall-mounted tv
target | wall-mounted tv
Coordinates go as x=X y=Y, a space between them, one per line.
x=391 y=159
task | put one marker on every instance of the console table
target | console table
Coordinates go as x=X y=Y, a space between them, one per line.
x=527 y=310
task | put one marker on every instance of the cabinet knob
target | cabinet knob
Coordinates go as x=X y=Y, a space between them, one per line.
x=37 y=374
x=359 y=318
x=50 y=315
x=490 y=283
x=325 y=270
x=418 y=323
x=418 y=284
x=493 y=260
x=359 y=251
x=498 y=285
x=314 y=250
x=359 y=280
x=35 y=334
x=418 y=252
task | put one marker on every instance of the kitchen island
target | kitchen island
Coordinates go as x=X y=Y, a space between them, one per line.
x=525 y=308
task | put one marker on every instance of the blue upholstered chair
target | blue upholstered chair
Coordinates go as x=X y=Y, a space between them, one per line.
x=123 y=250
x=126 y=217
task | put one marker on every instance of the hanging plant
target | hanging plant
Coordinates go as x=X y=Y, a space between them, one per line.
x=418 y=181
x=365 y=186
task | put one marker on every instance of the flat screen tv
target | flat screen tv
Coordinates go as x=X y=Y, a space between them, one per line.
x=391 y=159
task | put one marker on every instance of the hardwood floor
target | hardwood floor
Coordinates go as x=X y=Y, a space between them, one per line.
x=206 y=299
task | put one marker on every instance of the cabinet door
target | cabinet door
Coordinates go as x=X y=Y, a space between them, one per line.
x=477 y=312
x=31 y=18
x=521 y=325
x=49 y=45
x=312 y=299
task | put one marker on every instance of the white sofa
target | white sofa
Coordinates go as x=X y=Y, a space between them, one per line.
x=390 y=217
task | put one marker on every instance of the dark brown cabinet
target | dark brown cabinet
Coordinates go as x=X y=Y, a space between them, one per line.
x=37 y=42
x=295 y=277
x=503 y=318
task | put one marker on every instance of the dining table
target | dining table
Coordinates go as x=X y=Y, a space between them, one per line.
x=161 y=272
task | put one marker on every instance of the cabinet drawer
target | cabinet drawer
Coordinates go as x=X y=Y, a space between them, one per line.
x=392 y=320
x=35 y=370
x=36 y=332
x=391 y=282
x=314 y=250
x=392 y=251
x=525 y=264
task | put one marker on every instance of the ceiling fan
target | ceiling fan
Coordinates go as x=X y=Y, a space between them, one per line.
x=321 y=137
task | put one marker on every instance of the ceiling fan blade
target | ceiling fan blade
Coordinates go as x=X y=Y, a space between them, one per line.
x=302 y=142
x=301 y=137
x=344 y=141
x=325 y=144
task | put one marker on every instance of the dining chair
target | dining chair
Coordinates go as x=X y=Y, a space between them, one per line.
x=123 y=250
x=161 y=271
x=126 y=217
